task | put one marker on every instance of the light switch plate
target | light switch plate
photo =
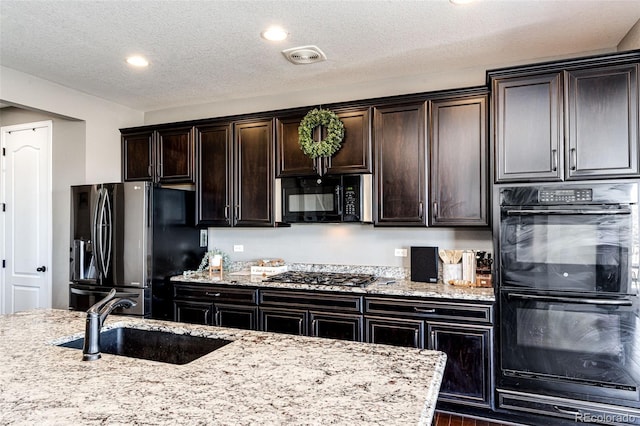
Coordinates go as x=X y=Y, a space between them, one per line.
x=400 y=252
x=204 y=236
x=238 y=248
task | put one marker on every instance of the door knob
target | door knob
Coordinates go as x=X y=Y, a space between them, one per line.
x=41 y=269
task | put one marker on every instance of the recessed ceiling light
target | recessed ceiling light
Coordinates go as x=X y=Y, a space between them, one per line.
x=274 y=34
x=137 y=61
x=458 y=2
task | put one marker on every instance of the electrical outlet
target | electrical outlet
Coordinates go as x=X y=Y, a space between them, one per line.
x=238 y=248
x=400 y=252
x=203 y=237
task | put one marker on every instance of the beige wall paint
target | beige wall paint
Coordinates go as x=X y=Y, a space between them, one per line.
x=68 y=168
x=631 y=41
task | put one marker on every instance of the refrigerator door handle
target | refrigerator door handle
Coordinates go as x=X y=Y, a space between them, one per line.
x=95 y=235
x=106 y=245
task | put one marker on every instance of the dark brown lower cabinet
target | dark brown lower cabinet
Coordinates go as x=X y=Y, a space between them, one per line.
x=336 y=326
x=233 y=316
x=223 y=306
x=193 y=312
x=287 y=321
x=396 y=332
x=309 y=323
x=467 y=375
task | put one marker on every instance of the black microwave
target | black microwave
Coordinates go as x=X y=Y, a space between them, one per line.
x=329 y=199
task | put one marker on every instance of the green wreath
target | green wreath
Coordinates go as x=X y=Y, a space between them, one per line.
x=327 y=146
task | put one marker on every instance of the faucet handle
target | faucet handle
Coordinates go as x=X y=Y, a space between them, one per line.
x=95 y=309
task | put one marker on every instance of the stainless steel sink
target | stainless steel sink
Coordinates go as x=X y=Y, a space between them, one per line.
x=153 y=345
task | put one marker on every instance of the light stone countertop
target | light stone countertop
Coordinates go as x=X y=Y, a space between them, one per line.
x=259 y=379
x=381 y=287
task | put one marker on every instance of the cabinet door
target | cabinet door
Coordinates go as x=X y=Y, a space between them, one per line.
x=528 y=128
x=397 y=332
x=336 y=326
x=291 y=161
x=254 y=177
x=193 y=312
x=287 y=321
x=137 y=156
x=213 y=188
x=468 y=373
x=399 y=149
x=458 y=173
x=234 y=316
x=175 y=155
x=602 y=121
x=354 y=156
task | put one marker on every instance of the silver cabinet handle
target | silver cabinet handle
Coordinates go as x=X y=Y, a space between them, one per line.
x=435 y=209
x=433 y=341
x=314 y=329
x=554 y=160
x=160 y=170
x=420 y=210
x=226 y=211
x=416 y=338
x=217 y=318
x=149 y=170
x=424 y=311
x=300 y=327
x=574 y=159
x=565 y=411
x=212 y=294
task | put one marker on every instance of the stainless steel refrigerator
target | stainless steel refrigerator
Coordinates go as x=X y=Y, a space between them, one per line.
x=133 y=237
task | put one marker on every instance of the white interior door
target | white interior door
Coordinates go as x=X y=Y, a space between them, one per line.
x=25 y=192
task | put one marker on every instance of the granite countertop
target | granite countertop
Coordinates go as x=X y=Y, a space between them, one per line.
x=383 y=286
x=259 y=378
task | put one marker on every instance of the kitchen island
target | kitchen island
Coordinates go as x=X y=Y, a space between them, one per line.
x=259 y=378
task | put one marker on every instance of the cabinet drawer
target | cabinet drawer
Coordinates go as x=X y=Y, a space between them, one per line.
x=215 y=294
x=577 y=411
x=437 y=310
x=316 y=301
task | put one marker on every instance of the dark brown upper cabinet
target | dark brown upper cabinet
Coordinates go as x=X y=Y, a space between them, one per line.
x=137 y=156
x=164 y=156
x=235 y=174
x=528 y=128
x=458 y=172
x=253 y=173
x=214 y=146
x=576 y=120
x=602 y=121
x=354 y=156
x=400 y=162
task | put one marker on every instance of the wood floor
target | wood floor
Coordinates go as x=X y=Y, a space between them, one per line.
x=443 y=419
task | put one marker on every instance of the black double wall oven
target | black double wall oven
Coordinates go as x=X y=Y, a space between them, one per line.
x=568 y=291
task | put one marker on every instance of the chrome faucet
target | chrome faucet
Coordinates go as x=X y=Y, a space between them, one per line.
x=95 y=319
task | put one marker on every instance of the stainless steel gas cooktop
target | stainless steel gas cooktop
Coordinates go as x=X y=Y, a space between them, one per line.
x=323 y=278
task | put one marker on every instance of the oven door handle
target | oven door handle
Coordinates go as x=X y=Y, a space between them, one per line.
x=527 y=212
x=601 y=302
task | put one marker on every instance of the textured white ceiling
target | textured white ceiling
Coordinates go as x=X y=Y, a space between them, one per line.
x=211 y=51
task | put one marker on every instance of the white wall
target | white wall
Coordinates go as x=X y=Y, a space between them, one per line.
x=86 y=149
x=102 y=118
x=351 y=244
x=632 y=40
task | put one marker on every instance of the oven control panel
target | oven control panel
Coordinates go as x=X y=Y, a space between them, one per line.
x=565 y=195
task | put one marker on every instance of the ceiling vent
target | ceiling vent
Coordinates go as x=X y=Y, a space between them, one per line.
x=304 y=55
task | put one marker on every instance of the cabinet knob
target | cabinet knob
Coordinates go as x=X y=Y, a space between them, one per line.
x=41 y=269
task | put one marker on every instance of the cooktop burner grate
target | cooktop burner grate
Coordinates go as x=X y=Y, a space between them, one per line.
x=323 y=278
